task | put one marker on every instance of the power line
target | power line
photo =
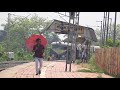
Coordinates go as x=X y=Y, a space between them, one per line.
x=62 y=14
x=63 y=18
x=20 y=16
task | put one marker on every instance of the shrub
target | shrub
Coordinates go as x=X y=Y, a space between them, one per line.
x=93 y=66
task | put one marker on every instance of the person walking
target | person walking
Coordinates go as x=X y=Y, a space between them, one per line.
x=38 y=50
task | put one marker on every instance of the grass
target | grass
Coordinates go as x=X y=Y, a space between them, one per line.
x=90 y=70
x=84 y=70
x=92 y=67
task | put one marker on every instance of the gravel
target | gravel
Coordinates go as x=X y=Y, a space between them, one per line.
x=8 y=64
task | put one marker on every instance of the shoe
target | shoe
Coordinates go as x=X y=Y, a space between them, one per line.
x=40 y=72
x=36 y=73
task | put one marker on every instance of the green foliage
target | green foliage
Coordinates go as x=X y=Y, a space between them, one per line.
x=20 y=27
x=93 y=66
x=110 y=43
x=117 y=43
x=51 y=37
x=86 y=70
x=23 y=56
x=3 y=54
x=4 y=57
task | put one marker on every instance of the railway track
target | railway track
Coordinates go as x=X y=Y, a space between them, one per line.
x=8 y=64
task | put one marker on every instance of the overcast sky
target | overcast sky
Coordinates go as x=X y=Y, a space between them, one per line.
x=86 y=18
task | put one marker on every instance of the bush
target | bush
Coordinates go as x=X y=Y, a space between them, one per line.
x=110 y=43
x=93 y=66
x=4 y=57
x=23 y=56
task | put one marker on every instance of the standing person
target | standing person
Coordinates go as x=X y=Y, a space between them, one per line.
x=83 y=55
x=38 y=50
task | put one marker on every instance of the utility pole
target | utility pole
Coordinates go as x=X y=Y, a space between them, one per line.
x=69 y=49
x=114 y=36
x=77 y=23
x=101 y=33
x=107 y=28
x=103 y=27
x=110 y=26
x=8 y=33
x=76 y=27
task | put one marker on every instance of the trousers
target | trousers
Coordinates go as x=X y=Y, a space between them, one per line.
x=38 y=64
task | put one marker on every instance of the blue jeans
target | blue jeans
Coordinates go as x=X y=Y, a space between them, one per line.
x=38 y=64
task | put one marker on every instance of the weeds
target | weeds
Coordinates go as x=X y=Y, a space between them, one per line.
x=93 y=68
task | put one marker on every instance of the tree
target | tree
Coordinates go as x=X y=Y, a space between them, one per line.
x=110 y=35
x=98 y=32
x=2 y=35
x=117 y=31
x=20 y=27
x=51 y=37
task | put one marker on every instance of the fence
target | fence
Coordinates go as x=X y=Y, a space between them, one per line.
x=108 y=59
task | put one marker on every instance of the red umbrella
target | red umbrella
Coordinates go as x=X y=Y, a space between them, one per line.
x=31 y=41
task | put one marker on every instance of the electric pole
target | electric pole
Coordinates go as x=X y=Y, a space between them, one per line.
x=114 y=36
x=72 y=35
x=107 y=28
x=69 y=53
x=8 y=33
x=76 y=31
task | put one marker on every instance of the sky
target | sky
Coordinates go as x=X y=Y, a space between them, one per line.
x=86 y=18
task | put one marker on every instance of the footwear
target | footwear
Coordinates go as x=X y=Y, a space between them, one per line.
x=36 y=73
x=40 y=72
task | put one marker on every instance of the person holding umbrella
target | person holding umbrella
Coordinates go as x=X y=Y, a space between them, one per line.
x=36 y=43
x=38 y=50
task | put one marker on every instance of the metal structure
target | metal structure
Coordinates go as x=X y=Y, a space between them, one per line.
x=70 y=29
x=72 y=35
